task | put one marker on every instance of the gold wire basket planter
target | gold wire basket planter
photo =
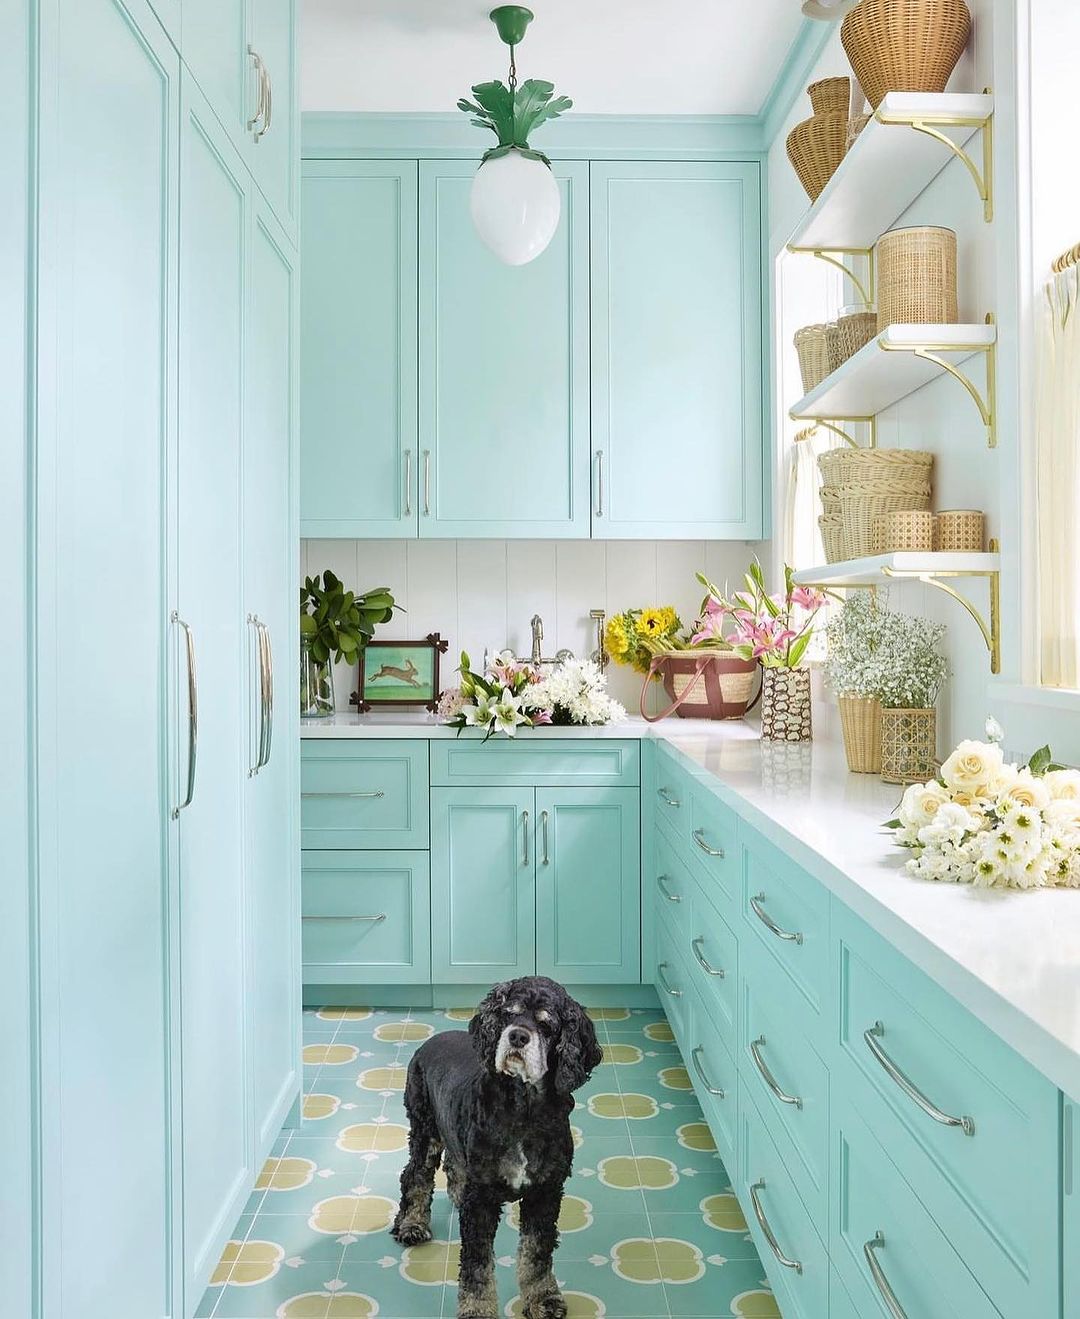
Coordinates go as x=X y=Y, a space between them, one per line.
x=908 y=745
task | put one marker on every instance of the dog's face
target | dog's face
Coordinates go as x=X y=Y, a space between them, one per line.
x=529 y=1027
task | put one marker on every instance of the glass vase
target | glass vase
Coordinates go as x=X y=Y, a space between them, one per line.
x=316 y=685
x=785 y=705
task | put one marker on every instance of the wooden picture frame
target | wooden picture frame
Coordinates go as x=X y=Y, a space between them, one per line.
x=390 y=670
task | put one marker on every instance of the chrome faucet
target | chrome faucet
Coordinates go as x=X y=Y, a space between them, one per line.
x=537 y=654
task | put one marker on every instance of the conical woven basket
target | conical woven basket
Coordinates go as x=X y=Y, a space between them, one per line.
x=816 y=147
x=905 y=45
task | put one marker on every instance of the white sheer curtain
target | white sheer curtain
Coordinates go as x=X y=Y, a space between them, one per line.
x=1058 y=480
x=802 y=546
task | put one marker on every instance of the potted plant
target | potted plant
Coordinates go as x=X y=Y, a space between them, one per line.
x=335 y=625
x=911 y=668
x=774 y=630
x=852 y=670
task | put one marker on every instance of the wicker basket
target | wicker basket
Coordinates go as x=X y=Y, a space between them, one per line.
x=816 y=147
x=857 y=327
x=703 y=684
x=860 y=718
x=830 y=94
x=810 y=344
x=856 y=124
x=911 y=530
x=905 y=45
x=832 y=536
x=832 y=345
x=860 y=504
x=916 y=277
x=830 y=500
x=849 y=466
x=960 y=530
x=908 y=745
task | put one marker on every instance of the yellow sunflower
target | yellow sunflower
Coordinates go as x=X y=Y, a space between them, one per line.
x=616 y=639
x=658 y=622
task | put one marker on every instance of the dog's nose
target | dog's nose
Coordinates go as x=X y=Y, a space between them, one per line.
x=518 y=1037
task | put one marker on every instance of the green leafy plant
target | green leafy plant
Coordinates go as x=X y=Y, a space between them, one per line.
x=513 y=113
x=337 y=622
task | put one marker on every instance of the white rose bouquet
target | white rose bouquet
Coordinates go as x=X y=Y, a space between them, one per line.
x=994 y=825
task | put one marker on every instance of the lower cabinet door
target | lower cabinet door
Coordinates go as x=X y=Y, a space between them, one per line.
x=672 y=981
x=1071 y=1204
x=482 y=884
x=366 y=917
x=715 y=1076
x=588 y=885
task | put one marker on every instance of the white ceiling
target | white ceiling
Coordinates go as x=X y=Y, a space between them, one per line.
x=609 y=56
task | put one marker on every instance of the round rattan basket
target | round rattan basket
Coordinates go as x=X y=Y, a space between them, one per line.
x=812 y=348
x=833 y=346
x=910 y=530
x=860 y=719
x=908 y=745
x=905 y=45
x=832 y=536
x=857 y=327
x=830 y=94
x=960 y=530
x=847 y=466
x=816 y=147
x=860 y=504
x=916 y=277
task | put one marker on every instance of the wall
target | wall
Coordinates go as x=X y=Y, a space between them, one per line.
x=942 y=417
x=479 y=593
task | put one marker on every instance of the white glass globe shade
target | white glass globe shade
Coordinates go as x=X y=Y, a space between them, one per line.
x=515 y=207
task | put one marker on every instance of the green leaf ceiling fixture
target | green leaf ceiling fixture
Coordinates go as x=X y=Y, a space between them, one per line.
x=515 y=201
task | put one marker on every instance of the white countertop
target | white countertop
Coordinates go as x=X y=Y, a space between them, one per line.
x=1013 y=959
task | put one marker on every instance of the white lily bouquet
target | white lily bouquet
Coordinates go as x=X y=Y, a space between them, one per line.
x=994 y=825
x=510 y=695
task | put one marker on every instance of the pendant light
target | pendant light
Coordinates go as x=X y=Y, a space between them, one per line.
x=514 y=202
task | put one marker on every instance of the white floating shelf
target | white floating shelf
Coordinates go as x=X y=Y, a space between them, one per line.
x=892 y=366
x=890 y=164
x=884 y=568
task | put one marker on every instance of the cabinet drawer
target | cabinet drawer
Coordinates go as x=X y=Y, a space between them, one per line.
x=887 y=1247
x=357 y=794
x=672 y=981
x=712 y=956
x=715 y=1076
x=713 y=844
x=954 y=1106
x=536 y=763
x=788 y=914
x=783 y=1231
x=365 y=918
x=672 y=888
x=787 y=1079
x=672 y=800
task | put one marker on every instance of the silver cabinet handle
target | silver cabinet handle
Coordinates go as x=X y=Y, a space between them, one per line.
x=193 y=713
x=880 y=1281
x=259 y=117
x=599 y=483
x=712 y=1089
x=267 y=696
x=269 y=105
x=374 y=920
x=871 y=1036
x=763 y=1223
x=675 y=993
x=699 y=838
x=544 y=828
x=254 y=769
x=525 y=837
x=661 y=884
x=427 y=483
x=702 y=960
x=408 y=482
x=766 y=920
x=763 y=1067
x=351 y=796
x=667 y=798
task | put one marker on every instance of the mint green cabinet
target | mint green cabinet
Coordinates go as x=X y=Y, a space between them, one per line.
x=504 y=369
x=677 y=350
x=482 y=884
x=1070 y=1185
x=214 y=44
x=588 y=885
x=358 y=327
x=275 y=150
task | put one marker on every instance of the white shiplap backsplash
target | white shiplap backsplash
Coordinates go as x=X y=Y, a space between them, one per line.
x=479 y=593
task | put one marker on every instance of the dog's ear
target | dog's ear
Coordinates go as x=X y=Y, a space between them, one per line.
x=576 y=1051
x=486 y=1025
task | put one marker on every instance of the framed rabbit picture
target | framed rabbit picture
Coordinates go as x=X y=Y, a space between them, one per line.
x=400 y=673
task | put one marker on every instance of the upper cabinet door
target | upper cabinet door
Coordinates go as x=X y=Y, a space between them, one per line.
x=275 y=141
x=213 y=41
x=677 y=354
x=359 y=468
x=504 y=370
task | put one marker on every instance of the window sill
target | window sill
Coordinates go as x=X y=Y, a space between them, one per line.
x=1037 y=716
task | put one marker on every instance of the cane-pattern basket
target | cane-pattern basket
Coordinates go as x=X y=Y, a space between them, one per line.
x=916 y=277
x=960 y=530
x=908 y=745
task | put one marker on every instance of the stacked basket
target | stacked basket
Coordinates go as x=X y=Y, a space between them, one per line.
x=859 y=485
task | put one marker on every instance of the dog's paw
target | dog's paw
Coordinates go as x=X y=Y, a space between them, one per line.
x=549 y=1306
x=473 y=1307
x=408 y=1232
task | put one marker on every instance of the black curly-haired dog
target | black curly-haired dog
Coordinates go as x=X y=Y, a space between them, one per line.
x=494 y=1105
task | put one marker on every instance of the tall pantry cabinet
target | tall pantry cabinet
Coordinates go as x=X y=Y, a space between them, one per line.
x=161 y=647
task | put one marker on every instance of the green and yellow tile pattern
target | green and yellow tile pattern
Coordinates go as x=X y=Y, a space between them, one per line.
x=650 y=1227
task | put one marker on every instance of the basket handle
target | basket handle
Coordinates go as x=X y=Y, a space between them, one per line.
x=654 y=664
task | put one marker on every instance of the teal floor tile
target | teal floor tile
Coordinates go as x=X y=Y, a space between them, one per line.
x=712 y=1294
x=730 y=1240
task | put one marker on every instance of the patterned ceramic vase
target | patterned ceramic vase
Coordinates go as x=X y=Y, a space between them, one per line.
x=785 y=705
x=908 y=745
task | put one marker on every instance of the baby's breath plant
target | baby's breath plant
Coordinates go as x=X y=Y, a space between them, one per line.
x=853 y=637
x=877 y=652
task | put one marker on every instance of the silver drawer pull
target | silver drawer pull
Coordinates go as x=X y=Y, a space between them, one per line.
x=766 y=920
x=350 y=796
x=699 y=838
x=525 y=837
x=763 y=1067
x=193 y=714
x=712 y=1089
x=661 y=968
x=763 y=1223
x=408 y=483
x=871 y=1036
x=668 y=799
x=702 y=960
x=880 y=1281
x=379 y=916
x=662 y=885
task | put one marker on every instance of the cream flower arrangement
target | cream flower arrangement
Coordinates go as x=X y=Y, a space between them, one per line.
x=510 y=695
x=992 y=824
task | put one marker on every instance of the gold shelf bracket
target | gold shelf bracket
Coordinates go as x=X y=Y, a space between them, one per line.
x=986 y=403
x=832 y=257
x=990 y=629
x=932 y=126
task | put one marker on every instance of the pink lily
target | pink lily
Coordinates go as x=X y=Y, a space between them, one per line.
x=805 y=597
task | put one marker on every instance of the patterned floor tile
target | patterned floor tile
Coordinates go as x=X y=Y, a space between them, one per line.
x=714 y=1291
x=715 y=1231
